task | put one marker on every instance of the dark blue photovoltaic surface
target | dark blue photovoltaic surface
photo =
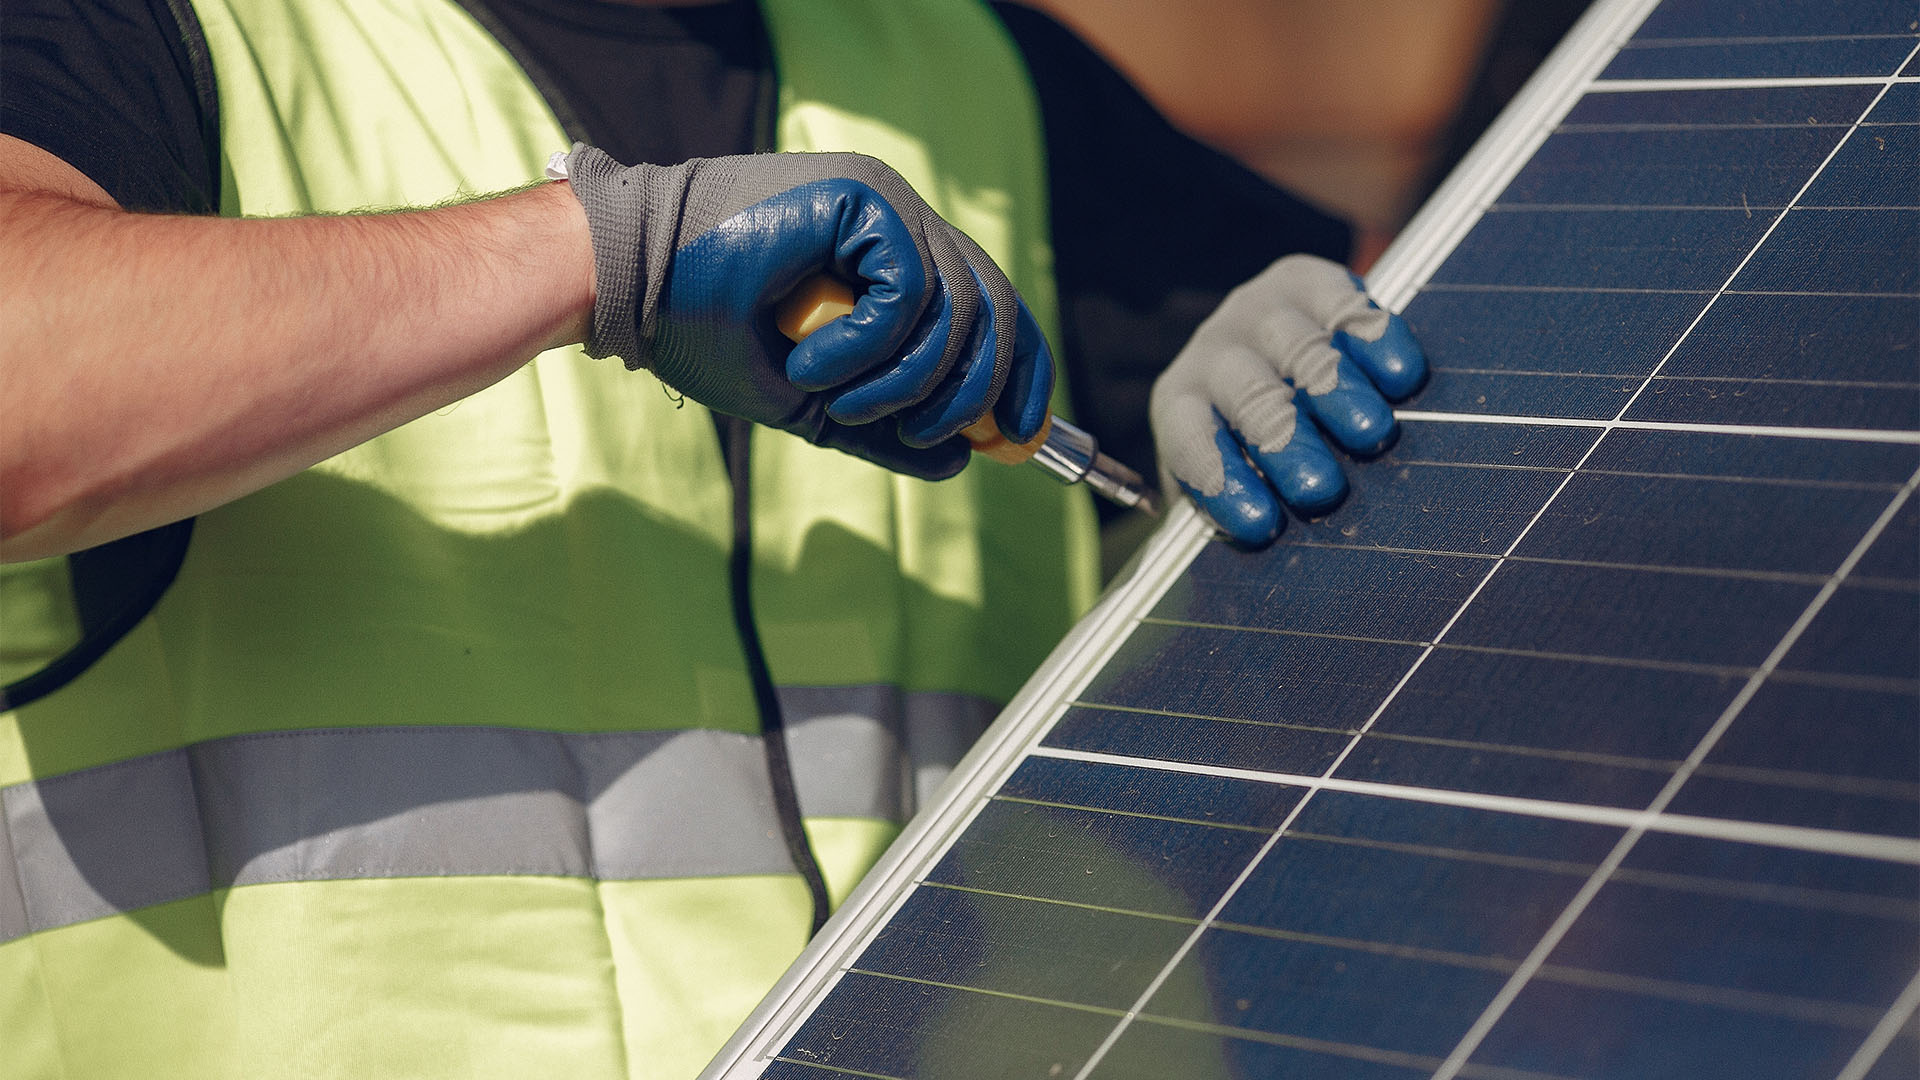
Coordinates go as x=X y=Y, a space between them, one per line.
x=1809 y=948
x=1556 y=612
x=1769 y=39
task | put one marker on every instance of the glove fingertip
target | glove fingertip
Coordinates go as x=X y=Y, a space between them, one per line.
x=1244 y=506
x=1353 y=413
x=1306 y=474
x=1396 y=363
x=1247 y=516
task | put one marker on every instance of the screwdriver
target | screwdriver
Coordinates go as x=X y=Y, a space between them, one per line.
x=1067 y=453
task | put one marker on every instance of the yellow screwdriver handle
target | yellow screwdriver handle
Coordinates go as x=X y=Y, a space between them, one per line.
x=820 y=299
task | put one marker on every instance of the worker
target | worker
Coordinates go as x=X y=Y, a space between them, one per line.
x=394 y=688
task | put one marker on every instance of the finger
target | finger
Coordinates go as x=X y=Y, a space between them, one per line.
x=871 y=244
x=1382 y=344
x=903 y=381
x=1023 y=405
x=1199 y=453
x=1352 y=412
x=1258 y=407
x=1385 y=349
x=1243 y=506
x=1335 y=299
x=969 y=388
x=1303 y=470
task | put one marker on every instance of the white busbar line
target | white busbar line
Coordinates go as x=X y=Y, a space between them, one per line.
x=1874 y=435
x=1630 y=86
x=1882 y=1034
x=1794 y=837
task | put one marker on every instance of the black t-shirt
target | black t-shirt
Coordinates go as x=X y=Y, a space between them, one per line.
x=1150 y=228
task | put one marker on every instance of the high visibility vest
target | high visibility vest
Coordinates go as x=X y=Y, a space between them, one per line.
x=441 y=758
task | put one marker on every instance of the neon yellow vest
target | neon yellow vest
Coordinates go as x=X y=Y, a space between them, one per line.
x=440 y=758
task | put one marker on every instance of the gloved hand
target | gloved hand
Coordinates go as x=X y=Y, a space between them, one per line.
x=691 y=259
x=1295 y=352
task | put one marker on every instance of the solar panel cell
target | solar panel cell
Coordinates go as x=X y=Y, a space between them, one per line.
x=1136 y=864
x=1896 y=555
x=1778 y=403
x=1024 y=947
x=1307 y=745
x=1847 y=251
x=1311 y=991
x=1695 y=453
x=1561 y=331
x=1656 y=616
x=1579 y=397
x=1748 y=167
x=1695 y=108
x=1501 y=700
x=1482 y=907
x=1768 y=527
x=892 y=1027
x=1467 y=509
x=1216 y=800
x=1327 y=590
x=1573 y=1030
x=1153 y=1050
x=1862 y=631
x=1776 y=58
x=1875 y=168
x=1195 y=671
x=1701 y=940
x=1777 y=18
x=1678 y=249
x=1820 y=339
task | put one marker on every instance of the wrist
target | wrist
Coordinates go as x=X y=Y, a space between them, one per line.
x=569 y=264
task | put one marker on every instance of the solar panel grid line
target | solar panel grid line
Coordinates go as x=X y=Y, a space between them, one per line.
x=1634 y=86
x=1793 y=837
x=1495 y=1009
x=1878 y=435
x=1882 y=1035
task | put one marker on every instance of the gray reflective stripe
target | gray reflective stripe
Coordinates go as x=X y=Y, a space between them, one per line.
x=452 y=802
x=876 y=751
x=383 y=802
x=105 y=840
x=13 y=905
x=426 y=802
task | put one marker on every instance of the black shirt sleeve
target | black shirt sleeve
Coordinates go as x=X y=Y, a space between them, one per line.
x=1151 y=229
x=121 y=90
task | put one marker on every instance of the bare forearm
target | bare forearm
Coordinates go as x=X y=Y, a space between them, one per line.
x=153 y=367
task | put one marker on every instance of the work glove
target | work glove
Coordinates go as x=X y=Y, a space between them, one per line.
x=691 y=260
x=1293 y=355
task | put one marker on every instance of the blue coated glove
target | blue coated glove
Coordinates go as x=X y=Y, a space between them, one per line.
x=690 y=261
x=1294 y=354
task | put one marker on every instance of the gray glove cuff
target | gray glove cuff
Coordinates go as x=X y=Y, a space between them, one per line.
x=632 y=214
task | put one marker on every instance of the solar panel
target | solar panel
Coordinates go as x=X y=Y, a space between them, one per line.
x=1584 y=740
